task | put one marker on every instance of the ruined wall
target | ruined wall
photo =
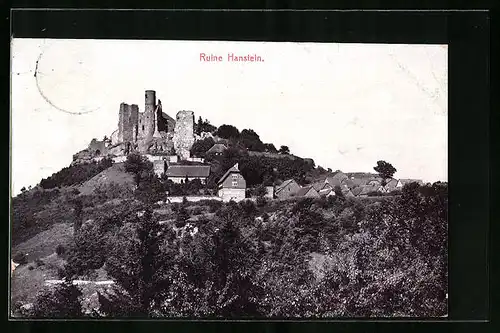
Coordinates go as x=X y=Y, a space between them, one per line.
x=184 y=133
x=127 y=120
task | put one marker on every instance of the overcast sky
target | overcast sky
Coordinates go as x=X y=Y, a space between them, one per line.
x=344 y=105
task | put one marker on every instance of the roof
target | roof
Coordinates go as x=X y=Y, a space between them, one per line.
x=349 y=183
x=188 y=171
x=333 y=181
x=391 y=184
x=284 y=184
x=233 y=169
x=217 y=148
x=304 y=190
x=318 y=185
x=359 y=181
x=367 y=189
x=325 y=191
x=408 y=181
x=356 y=191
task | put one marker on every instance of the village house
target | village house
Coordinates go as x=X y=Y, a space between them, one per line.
x=232 y=185
x=217 y=149
x=327 y=192
x=392 y=185
x=180 y=173
x=308 y=192
x=337 y=179
x=365 y=190
x=287 y=189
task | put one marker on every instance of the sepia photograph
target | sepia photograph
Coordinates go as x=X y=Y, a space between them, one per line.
x=161 y=179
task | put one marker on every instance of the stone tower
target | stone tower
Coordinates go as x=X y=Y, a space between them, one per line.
x=184 y=133
x=147 y=118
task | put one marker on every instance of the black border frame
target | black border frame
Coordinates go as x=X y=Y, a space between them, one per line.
x=468 y=36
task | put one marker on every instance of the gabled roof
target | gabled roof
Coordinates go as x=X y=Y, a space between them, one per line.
x=188 y=171
x=333 y=181
x=391 y=184
x=233 y=169
x=304 y=190
x=318 y=185
x=359 y=181
x=217 y=148
x=356 y=191
x=367 y=189
x=284 y=184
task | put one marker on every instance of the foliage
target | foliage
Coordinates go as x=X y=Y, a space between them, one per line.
x=139 y=165
x=228 y=132
x=20 y=258
x=204 y=126
x=60 y=250
x=200 y=147
x=87 y=252
x=62 y=302
x=385 y=170
x=75 y=174
x=270 y=148
x=251 y=141
x=258 y=169
x=284 y=150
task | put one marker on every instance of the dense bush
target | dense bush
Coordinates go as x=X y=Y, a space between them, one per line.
x=385 y=256
x=20 y=258
x=75 y=174
x=200 y=147
x=62 y=302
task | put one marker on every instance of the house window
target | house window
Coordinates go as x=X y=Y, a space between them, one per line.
x=143 y=127
x=235 y=183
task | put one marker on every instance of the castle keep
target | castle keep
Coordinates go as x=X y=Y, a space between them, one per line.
x=151 y=132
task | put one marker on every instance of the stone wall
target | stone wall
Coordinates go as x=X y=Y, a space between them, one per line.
x=184 y=133
x=127 y=120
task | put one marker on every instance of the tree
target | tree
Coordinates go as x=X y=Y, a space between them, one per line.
x=270 y=148
x=63 y=302
x=385 y=170
x=284 y=150
x=228 y=131
x=200 y=147
x=338 y=191
x=138 y=165
x=204 y=126
x=251 y=140
x=136 y=262
x=78 y=208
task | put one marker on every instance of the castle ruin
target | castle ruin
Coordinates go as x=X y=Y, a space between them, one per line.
x=151 y=132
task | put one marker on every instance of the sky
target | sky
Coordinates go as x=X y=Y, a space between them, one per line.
x=344 y=105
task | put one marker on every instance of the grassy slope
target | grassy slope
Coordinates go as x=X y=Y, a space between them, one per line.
x=114 y=174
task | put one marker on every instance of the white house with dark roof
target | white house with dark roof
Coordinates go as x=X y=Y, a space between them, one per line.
x=179 y=173
x=232 y=185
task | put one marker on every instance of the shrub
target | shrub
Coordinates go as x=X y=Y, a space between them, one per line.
x=20 y=259
x=63 y=302
x=60 y=250
x=261 y=202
